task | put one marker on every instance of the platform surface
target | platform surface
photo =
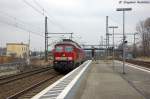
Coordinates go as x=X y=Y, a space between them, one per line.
x=105 y=83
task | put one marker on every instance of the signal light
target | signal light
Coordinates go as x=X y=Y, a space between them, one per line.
x=125 y=42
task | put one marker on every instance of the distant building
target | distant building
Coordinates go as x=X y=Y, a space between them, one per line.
x=18 y=50
x=2 y=51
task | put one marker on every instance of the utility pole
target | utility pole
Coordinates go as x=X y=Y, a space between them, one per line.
x=123 y=10
x=46 y=39
x=106 y=37
x=28 y=55
x=113 y=27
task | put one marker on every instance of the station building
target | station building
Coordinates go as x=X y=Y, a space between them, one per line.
x=17 y=50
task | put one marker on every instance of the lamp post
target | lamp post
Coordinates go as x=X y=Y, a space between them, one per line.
x=113 y=27
x=134 y=46
x=123 y=10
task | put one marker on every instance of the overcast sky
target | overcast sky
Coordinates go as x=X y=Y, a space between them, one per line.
x=85 y=18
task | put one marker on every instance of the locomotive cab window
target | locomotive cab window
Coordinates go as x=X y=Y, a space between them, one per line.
x=68 y=49
x=59 y=49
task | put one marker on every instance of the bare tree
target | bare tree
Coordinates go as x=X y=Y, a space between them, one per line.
x=147 y=33
x=147 y=23
x=140 y=30
x=143 y=28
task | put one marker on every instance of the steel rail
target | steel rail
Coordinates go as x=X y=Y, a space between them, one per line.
x=15 y=96
x=22 y=75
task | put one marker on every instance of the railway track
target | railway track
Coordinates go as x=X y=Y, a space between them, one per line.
x=137 y=62
x=5 y=80
x=26 y=71
x=141 y=63
x=24 y=92
x=17 y=85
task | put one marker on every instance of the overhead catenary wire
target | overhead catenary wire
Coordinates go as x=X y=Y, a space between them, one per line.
x=33 y=7
x=4 y=14
x=118 y=22
x=41 y=10
x=35 y=1
x=17 y=23
x=51 y=19
x=17 y=26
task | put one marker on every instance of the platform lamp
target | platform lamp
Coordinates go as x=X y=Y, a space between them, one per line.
x=123 y=10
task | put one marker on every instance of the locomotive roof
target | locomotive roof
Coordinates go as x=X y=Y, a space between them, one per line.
x=68 y=41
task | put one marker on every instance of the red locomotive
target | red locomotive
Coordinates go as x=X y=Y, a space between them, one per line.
x=67 y=55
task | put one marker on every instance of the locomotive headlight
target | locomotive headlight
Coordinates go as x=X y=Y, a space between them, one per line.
x=70 y=58
x=57 y=58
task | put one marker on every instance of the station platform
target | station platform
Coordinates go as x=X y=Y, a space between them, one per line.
x=98 y=80
x=104 y=83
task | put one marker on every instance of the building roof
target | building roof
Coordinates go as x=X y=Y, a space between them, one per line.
x=17 y=44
